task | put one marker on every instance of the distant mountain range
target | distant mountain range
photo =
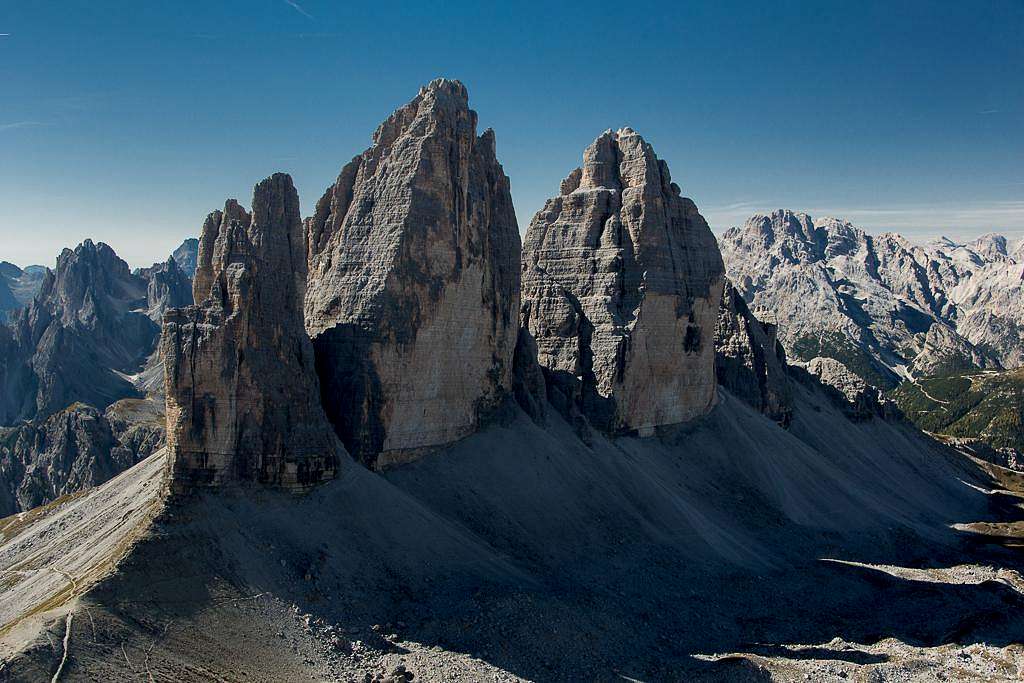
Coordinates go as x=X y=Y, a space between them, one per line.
x=76 y=355
x=891 y=311
x=400 y=437
x=17 y=287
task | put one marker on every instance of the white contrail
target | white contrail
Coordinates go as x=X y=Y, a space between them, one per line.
x=20 y=124
x=298 y=8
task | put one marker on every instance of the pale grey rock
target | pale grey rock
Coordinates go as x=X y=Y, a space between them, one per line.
x=859 y=400
x=749 y=360
x=1010 y=458
x=622 y=282
x=413 y=295
x=868 y=301
x=186 y=256
x=944 y=352
x=82 y=339
x=990 y=307
x=243 y=400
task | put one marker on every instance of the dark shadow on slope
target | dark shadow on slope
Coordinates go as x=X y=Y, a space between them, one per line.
x=555 y=560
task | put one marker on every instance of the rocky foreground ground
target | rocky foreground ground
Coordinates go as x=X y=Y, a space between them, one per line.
x=727 y=549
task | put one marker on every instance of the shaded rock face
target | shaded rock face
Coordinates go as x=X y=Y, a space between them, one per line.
x=858 y=399
x=82 y=338
x=167 y=287
x=242 y=397
x=186 y=256
x=70 y=451
x=8 y=303
x=413 y=294
x=17 y=381
x=622 y=281
x=749 y=360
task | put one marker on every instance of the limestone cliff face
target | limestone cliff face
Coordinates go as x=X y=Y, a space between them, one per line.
x=242 y=397
x=82 y=339
x=749 y=360
x=622 y=281
x=413 y=294
x=71 y=450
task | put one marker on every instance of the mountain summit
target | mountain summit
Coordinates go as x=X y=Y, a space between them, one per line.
x=622 y=283
x=413 y=294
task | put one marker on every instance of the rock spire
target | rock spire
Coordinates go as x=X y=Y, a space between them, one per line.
x=622 y=281
x=413 y=295
x=242 y=396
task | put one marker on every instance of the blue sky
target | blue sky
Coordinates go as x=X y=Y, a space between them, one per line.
x=128 y=121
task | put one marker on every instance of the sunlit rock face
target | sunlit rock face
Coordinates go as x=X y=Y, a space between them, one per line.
x=622 y=281
x=83 y=337
x=413 y=293
x=242 y=397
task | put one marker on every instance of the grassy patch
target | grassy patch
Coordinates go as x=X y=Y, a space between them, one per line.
x=979 y=405
x=846 y=352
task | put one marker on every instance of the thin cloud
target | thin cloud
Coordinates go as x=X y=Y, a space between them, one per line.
x=910 y=219
x=298 y=8
x=21 y=124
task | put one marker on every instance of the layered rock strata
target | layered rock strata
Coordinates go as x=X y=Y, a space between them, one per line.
x=413 y=294
x=71 y=450
x=858 y=399
x=622 y=281
x=83 y=338
x=749 y=360
x=242 y=396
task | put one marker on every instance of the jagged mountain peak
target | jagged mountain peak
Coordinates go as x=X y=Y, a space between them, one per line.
x=417 y=236
x=869 y=300
x=620 y=272
x=186 y=256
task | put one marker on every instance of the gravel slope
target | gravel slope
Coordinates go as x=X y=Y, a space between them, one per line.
x=725 y=549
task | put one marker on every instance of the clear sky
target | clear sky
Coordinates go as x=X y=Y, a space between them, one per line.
x=128 y=121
